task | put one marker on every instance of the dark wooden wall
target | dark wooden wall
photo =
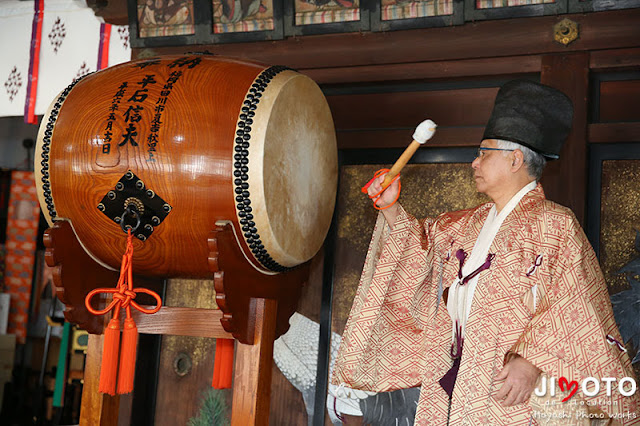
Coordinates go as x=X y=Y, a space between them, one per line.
x=380 y=85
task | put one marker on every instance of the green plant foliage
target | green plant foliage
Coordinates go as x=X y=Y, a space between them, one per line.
x=213 y=410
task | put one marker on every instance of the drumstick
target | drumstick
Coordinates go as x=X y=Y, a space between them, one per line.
x=423 y=133
x=400 y=163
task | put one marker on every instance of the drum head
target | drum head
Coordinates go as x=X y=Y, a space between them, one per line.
x=292 y=168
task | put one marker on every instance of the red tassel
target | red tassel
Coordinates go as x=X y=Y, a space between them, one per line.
x=226 y=376
x=109 y=369
x=223 y=364
x=128 y=351
x=215 y=383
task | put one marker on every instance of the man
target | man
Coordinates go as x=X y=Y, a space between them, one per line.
x=478 y=307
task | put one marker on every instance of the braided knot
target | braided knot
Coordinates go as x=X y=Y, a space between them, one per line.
x=125 y=296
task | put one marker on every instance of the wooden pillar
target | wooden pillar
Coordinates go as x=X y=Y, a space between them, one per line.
x=565 y=180
x=97 y=409
x=252 y=371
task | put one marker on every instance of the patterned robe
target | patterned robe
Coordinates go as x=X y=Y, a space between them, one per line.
x=399 y=332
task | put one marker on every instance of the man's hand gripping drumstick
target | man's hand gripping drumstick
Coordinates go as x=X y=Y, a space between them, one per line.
x=384 y=188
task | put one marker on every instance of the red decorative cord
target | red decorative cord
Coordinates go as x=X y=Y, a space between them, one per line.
x=123 y=298
x=375 y=197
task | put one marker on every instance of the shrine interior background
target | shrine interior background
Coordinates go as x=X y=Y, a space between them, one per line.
x=384 y=66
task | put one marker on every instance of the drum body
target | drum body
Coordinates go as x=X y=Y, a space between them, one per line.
x=179 y=143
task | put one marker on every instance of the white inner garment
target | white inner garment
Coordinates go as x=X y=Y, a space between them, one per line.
x=461 y=296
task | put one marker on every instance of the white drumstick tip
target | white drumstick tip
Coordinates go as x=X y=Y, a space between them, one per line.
x=424 y=131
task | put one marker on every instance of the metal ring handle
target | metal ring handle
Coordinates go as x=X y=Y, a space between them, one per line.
x=132 y=210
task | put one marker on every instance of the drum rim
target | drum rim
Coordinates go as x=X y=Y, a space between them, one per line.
x=242 y=170
x=243 y=207
x=43 y=148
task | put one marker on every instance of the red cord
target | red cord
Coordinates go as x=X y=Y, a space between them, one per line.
x=375 y=197
x=123 y=296
x=124 y=293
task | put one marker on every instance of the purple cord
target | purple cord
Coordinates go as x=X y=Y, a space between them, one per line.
x=462 y=256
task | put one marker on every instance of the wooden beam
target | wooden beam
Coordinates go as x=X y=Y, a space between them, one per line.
x=406 y=108
x=498 y=38
x=565 y=181
x=382 y=138
x=614 y=132
x=616 y=58
x=427 y=70
x=112 y=11
x=182 y=322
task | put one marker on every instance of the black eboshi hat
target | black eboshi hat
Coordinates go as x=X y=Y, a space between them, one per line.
x=531 y=114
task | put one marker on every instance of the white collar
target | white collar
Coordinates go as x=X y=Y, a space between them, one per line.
x=513 y=202
x=461 y=297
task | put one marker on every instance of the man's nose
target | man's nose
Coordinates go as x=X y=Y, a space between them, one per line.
x=475 y=163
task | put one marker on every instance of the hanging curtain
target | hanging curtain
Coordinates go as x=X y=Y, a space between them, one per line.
x=46 y=45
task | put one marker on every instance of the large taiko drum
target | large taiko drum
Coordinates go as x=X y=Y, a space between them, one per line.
x=169 y=146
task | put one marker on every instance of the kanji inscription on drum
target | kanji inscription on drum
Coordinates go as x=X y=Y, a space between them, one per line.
x=108 y=131
x=132 y=114
x=189 y=62
x=156 y=122
x=138 y=100
x=143 y=65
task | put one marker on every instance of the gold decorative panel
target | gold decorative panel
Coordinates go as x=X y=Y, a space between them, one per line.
x=619 y=219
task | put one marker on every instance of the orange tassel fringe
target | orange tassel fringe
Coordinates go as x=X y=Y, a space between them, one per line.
x=128 y=356
x=109 y=369
x=223 y=364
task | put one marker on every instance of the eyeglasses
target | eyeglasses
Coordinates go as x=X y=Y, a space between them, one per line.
x=481 y=150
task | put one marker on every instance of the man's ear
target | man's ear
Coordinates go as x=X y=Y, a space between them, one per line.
x=517 y=160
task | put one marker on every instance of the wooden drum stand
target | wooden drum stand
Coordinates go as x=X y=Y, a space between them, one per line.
x=254 y=309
